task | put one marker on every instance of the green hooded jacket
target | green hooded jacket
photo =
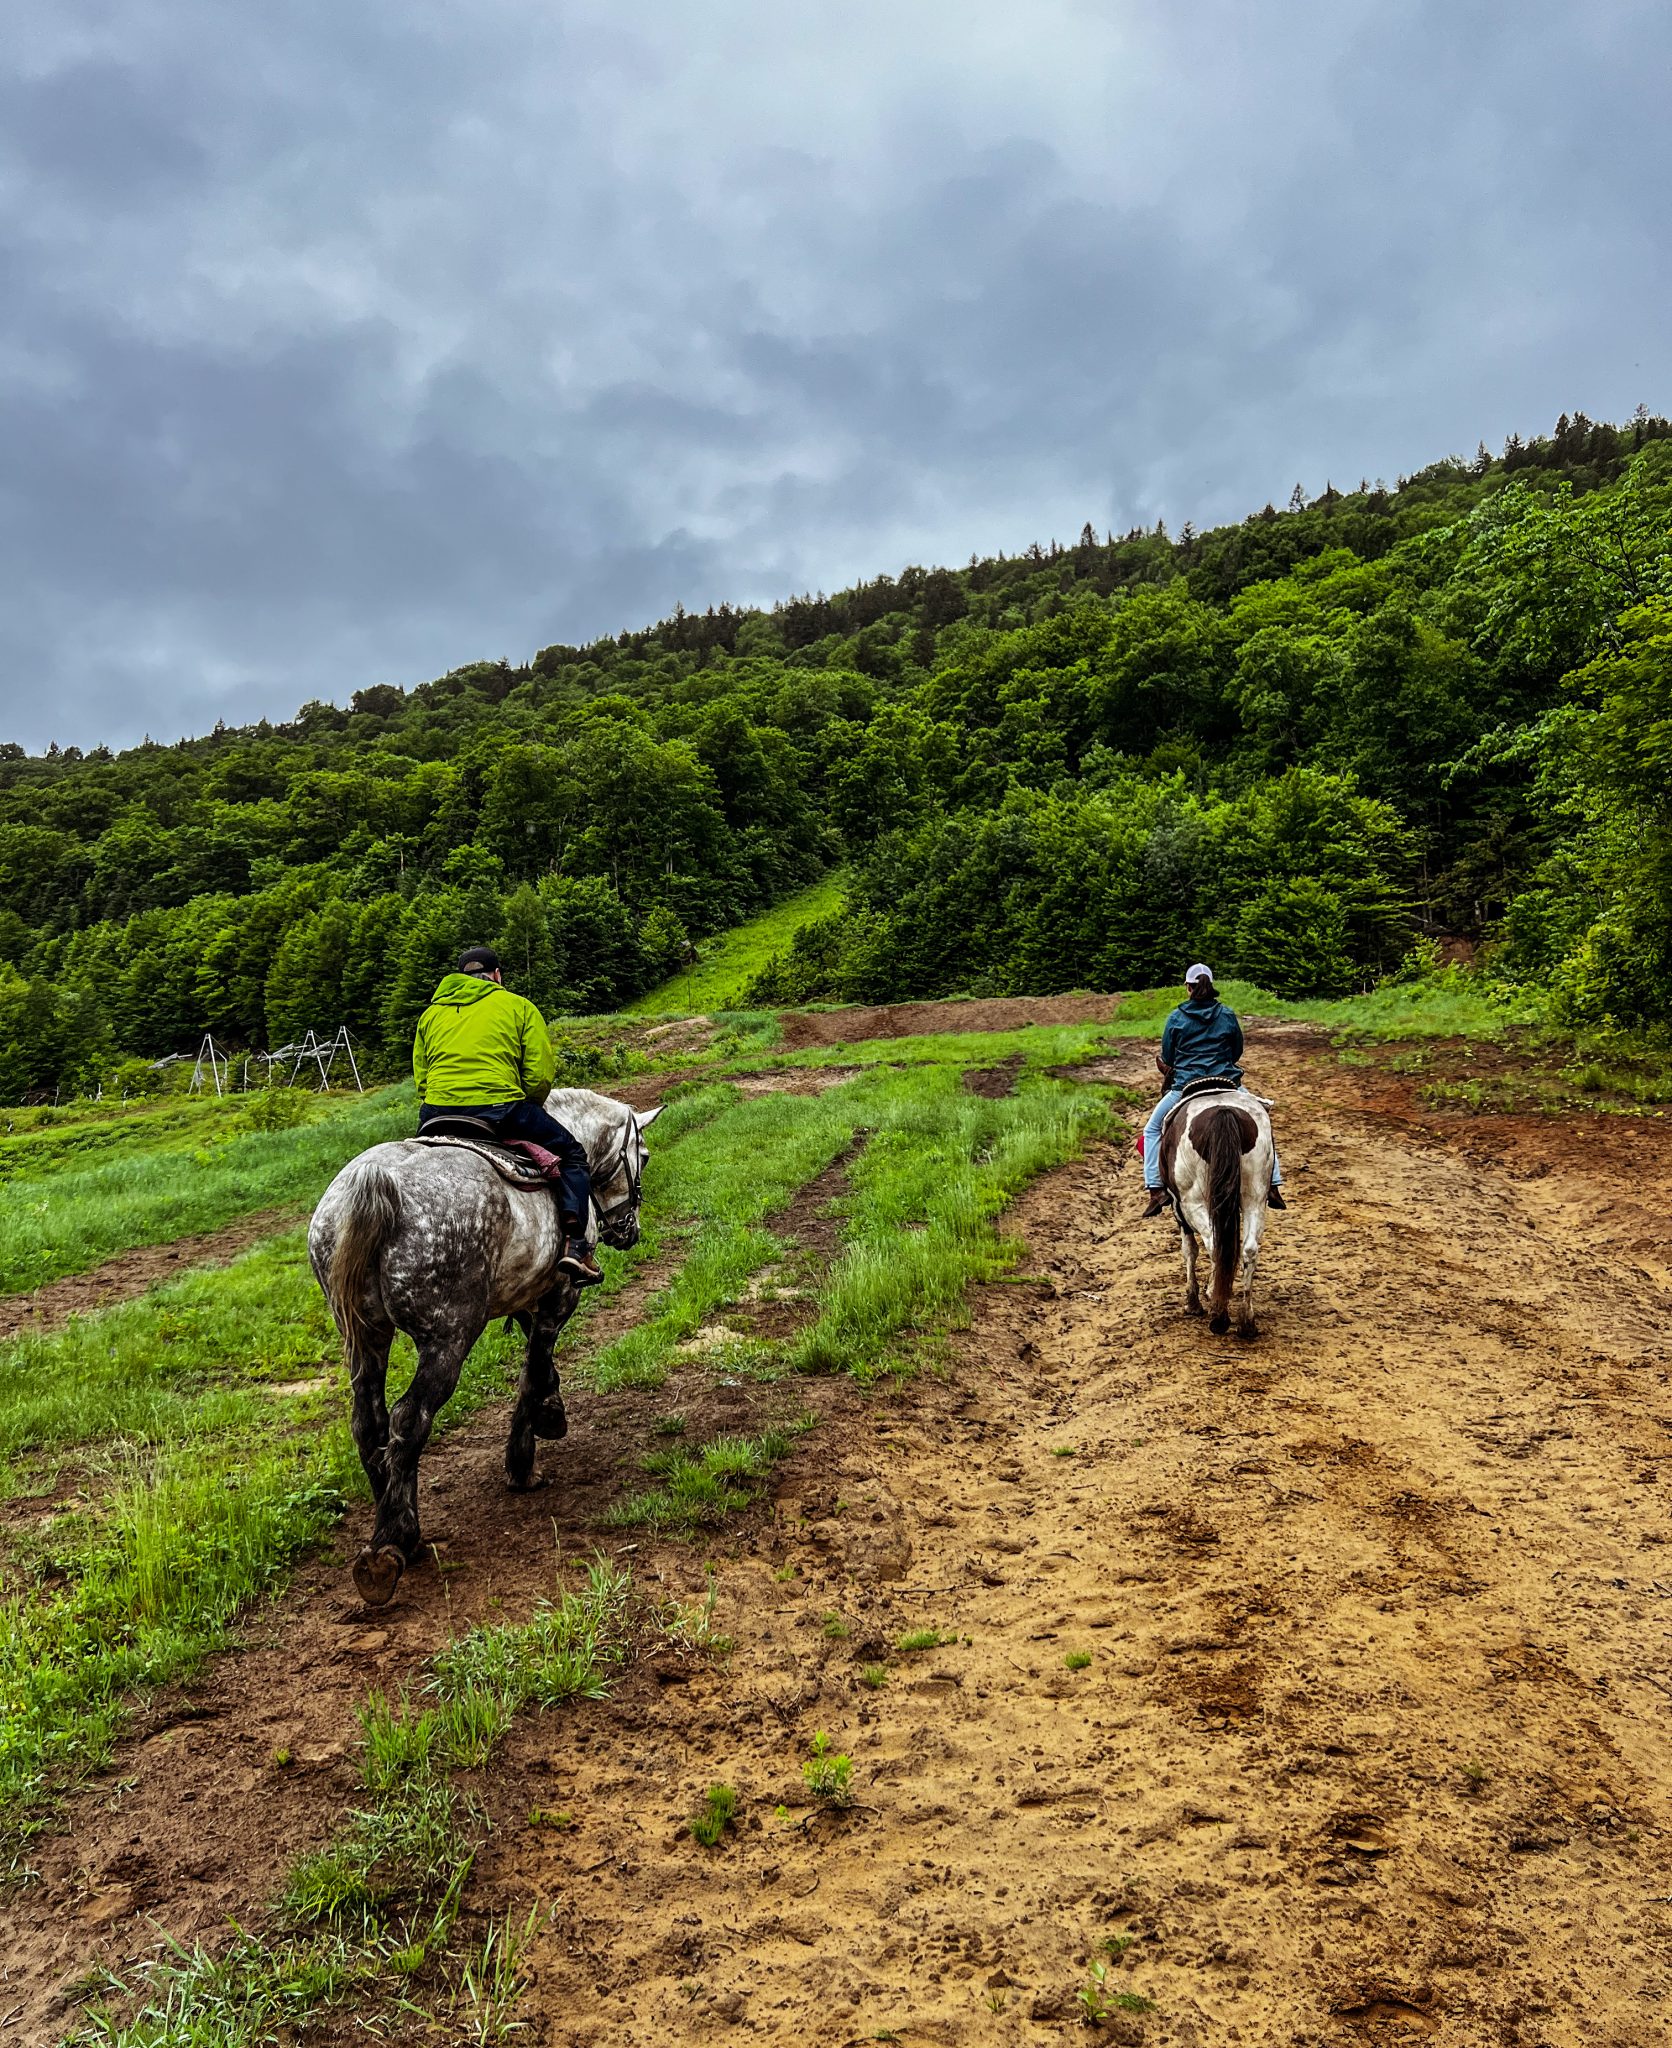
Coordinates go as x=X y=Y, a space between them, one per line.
x=478 y=1043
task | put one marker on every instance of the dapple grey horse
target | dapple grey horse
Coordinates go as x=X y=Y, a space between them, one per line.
x=431 y=1240
x=1216 y=1155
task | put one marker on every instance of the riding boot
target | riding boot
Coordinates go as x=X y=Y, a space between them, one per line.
x=1275 y=1199
x=577 y=1261
x=574 y=1256
x=1157 y=1202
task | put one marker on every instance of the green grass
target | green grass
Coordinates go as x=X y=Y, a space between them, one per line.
x=727 y=963
x=191 y=1359
x=76 y=1219
x=923 y=1639
x=940 y=1166
x=700 y=1487
x=373 y=1918
x=207 y=1484
x=937 y=1167
x=718 y=1811
x=35 y=1144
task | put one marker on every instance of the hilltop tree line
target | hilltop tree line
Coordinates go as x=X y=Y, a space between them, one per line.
x=1299 y=745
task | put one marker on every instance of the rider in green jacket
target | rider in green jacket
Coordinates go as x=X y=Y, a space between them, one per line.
x=482 y=1052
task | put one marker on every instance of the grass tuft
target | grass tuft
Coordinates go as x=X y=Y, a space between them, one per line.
x=718 y=1811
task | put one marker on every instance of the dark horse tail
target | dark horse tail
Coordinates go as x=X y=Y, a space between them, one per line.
x=1220 y=1136
x=374 y=1210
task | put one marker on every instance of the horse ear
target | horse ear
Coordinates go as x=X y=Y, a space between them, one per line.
x=647 y=1117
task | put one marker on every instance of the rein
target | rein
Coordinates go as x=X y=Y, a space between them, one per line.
x=623 y=1164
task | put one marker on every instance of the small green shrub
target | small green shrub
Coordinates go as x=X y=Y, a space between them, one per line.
x=829 y=1774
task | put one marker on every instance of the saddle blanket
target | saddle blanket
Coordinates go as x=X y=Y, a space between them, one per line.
x=523 y=1163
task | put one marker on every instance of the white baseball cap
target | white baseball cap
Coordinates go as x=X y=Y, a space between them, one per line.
x=1192 y=975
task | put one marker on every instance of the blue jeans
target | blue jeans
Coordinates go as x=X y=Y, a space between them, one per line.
x=1152 y=1142
x=531 y=1119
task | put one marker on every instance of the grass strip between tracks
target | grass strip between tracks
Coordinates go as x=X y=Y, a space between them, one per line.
x=938 y=1165
x=73 y=1220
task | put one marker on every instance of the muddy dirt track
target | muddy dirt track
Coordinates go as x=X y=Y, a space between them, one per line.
x=1372 y=1744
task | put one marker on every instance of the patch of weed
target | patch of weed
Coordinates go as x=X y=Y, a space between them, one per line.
x=1098 y=2004
x=718 y=1811
x=700 y=1487
x=829 y=1774
x=923 y=1639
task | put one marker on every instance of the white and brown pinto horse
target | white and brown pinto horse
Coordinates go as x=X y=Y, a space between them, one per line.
x=1216 y=1160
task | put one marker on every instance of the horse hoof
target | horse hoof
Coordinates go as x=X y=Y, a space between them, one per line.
x=377 y=1573
x=1193 y=1308
x=548 y=1421
x=1219 y=1325
x=528 y=1482
x=1248 y=1332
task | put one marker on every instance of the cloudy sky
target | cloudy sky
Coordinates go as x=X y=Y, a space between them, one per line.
x=343 y=344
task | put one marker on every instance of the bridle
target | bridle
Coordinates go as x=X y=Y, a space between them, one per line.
x=624 y=1163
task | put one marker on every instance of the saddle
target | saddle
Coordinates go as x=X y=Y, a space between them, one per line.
x=518 y=1161
x=1211 y=1084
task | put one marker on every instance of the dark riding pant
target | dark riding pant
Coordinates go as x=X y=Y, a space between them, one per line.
x=531 y=1120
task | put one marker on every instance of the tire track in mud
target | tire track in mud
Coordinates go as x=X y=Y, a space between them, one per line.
x=131 y=1273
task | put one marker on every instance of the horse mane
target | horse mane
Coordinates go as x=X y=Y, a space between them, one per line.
x=1219 y=1137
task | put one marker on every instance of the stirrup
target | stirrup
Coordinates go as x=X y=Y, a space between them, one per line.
x=574 y=1260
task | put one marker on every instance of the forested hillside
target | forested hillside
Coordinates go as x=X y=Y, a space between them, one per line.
x=1297 y=746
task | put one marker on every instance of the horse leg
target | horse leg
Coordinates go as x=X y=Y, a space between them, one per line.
x=1219 y=1298
x=1246 y=1327
x=368 y=1372
x=1192 y=1289
x=539 y=1412
x=396 y=1540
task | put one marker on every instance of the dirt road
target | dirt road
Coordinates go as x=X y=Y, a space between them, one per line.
x=1372 y=1741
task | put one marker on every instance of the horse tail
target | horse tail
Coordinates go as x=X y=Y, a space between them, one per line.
x=1218 y=1135
x=372 y=1213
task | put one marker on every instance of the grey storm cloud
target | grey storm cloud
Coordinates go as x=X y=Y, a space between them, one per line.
x=344 y=345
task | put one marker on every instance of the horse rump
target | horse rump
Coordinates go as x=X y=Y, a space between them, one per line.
x=371 y=1215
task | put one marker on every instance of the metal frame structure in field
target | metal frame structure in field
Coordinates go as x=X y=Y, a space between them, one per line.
x=311 y=1050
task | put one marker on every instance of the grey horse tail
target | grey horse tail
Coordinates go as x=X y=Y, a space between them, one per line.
x=373 y=1212
x=1218 y=1136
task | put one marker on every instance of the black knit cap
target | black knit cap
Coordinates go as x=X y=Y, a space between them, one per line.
x=478 y=960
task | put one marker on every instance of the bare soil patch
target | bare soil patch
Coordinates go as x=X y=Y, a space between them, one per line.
x=803 y=1028
x=136 y=1272
x=993 y=1083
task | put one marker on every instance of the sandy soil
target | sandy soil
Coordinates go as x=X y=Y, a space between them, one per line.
x=135 y=1272
x=1372 y=1746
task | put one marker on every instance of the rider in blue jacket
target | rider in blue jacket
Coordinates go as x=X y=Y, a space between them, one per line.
x=1201 y=1040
